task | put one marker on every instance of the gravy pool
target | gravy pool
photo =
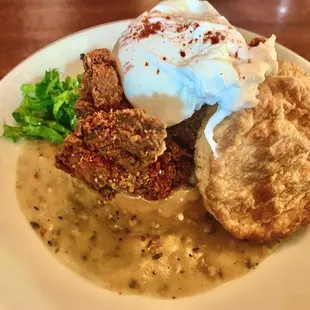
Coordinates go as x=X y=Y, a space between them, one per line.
x=116 y=247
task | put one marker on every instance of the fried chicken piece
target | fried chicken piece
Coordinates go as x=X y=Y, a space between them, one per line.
x=185 y=133
x=259 y=186
x=84 y=108
x=96 y=171
x=100 y=86
x=130 y=137
x=171 y=170
x=103 y=175
x=116 y=148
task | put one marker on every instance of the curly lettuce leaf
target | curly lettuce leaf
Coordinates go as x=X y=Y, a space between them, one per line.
x=47 y=109
x=43 y=132
x=12 y=132
x=63 y=111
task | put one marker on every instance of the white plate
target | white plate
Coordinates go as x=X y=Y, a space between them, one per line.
x=31 y=278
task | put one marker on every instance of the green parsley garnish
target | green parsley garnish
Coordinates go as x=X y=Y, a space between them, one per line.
x=47 y=109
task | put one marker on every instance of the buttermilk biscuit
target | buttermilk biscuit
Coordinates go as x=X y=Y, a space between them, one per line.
x=259 y=186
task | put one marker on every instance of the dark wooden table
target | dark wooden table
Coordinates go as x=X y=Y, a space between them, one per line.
x=28 y=25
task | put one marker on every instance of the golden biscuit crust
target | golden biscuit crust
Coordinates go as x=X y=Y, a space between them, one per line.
x=259 y=187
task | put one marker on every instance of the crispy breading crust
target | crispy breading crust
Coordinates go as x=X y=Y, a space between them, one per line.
x=130 y=137
x=171 y=170
x=259 y=187
x=96 y=171
x=100 y=87
x=102 y=174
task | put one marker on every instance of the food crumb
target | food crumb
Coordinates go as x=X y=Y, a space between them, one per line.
x=220 y=274
x=133 y=284
x=84 y=257
x=153 y=240
x=249 y=264
x=35 y=225
x=157 y=256
x=93 y=237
